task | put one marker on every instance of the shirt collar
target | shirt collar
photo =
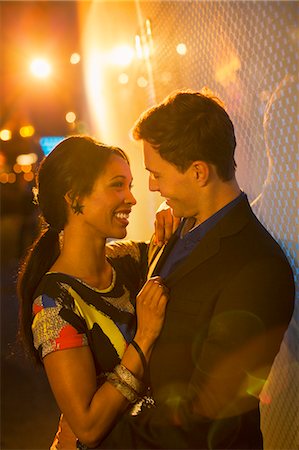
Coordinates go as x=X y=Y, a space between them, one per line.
x=197 y=233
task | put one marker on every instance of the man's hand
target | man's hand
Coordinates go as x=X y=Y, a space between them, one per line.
x=165 y=224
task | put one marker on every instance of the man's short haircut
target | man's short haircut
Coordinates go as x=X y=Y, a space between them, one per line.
x=189 y=126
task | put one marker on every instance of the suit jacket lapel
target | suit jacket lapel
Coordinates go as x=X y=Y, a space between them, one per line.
x=230 y=224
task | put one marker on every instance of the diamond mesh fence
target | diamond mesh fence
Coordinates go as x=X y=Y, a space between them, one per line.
x=247 y=53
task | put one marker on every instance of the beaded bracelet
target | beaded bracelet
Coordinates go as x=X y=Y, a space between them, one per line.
x=123 y=388
x=128 y=378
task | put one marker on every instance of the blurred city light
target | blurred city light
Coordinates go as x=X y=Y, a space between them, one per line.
x=181 y=49
x=27 y=131
x=26 y=159
x=40 y=68
x=70 y=117
x=11 y=177
x=75 y=58
x=17 y=168
x=28 y=176
x=142 y=82
x=5 y=135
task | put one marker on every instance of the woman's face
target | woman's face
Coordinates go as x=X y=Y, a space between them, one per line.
x=106 y=210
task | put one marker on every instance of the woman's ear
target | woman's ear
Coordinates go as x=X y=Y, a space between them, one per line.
x=73 y=201
x=68 y=198
x=201 y=172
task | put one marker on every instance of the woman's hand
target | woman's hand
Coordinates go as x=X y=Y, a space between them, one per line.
x=165 y=224
x=150 y=309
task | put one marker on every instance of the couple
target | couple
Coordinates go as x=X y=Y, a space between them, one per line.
x=190 y=349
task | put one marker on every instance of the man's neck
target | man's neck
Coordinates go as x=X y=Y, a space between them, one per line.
x=216 y=197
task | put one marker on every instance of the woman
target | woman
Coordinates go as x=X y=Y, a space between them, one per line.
x=84 y=324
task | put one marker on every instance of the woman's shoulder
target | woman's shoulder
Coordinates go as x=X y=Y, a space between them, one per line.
x=135 y=250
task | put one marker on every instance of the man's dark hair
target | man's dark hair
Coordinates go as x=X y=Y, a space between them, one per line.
x=188 y=126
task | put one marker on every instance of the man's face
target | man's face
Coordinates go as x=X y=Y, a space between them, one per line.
x=175 y=186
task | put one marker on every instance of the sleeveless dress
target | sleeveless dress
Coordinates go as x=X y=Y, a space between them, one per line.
x=68 y=313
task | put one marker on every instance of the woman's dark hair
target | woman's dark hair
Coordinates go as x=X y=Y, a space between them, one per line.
x=188 y=126
x=72 y=167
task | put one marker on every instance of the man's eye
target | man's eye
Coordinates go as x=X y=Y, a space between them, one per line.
x=118 y=184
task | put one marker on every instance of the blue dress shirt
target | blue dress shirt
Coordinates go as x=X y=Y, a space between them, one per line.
x=185 y=244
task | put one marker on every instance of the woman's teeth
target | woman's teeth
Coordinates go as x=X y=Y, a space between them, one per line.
x=122 y=215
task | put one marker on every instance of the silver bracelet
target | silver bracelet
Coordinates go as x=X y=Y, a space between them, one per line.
x=128 y=378
x=123 y=388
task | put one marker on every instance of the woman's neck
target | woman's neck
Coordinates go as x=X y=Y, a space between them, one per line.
x=83 y=256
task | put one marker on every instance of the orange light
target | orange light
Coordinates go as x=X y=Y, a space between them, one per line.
x=28 y=176
x=17 y=168
x=4 y=177
x=26 y=168
x=11 y=178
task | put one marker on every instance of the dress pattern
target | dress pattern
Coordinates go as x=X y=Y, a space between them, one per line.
x=68 y=313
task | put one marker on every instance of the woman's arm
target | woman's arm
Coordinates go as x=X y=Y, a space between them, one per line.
x=91 y=412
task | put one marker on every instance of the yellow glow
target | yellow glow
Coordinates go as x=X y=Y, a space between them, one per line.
x=5 y=135
x=148 y=27
x=27 y=131
x=138 y=46
x=181 y=49
x=75 y=58
x=26 y=159
x=26 y=168
x=121 y=55
x=70 y=117
x=123 y=78
x=40 y=68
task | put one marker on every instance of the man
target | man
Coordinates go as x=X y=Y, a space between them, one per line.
x=231 y=288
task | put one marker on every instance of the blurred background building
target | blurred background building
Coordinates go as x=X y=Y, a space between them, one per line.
x=92 y=67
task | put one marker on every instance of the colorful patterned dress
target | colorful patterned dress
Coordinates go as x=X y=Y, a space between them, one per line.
x=68 y=313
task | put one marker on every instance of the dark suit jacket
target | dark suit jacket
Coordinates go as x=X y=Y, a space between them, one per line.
x=230 y=303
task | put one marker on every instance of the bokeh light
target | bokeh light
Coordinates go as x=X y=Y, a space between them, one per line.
x=75 y=58
x=27 y=131
x=5 y=135
x=123 y=78
x=40 y=68
x=142 y=82
x=181 y=49
x=26 y=159
x=70 y=117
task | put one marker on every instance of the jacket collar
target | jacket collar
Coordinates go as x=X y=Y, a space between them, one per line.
x=230 y=224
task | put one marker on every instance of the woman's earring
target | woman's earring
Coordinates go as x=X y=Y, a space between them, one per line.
x=76 y=207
